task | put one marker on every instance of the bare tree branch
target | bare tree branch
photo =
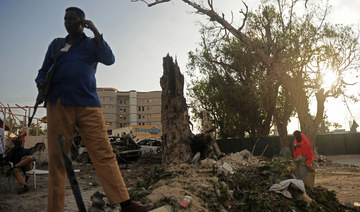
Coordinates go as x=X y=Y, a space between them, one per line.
x=211 y=4
x=151 y=4
x=245 y=16
x=215 y=17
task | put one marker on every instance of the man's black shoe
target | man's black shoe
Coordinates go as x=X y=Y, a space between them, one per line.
x=136 y=207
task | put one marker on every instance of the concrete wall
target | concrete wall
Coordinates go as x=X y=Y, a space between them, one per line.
x=31 y=141
x=332 y=144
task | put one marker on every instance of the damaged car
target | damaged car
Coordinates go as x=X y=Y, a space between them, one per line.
x=124 y=148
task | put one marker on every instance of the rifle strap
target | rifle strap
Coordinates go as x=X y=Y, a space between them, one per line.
x=57 y=53
x=48 y=79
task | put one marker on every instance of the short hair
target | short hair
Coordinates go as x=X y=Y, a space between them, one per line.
x=18 y=141
x=77 y=10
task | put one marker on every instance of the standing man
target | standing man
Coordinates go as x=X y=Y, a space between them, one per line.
x=73 y=101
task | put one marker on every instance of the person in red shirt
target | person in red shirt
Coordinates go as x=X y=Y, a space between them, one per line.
x=302 y=146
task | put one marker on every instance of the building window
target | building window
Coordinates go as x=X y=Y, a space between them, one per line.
x=124 y=108
x=139 y=108
x=121 y=109
x=139 y=116
x=143 y=108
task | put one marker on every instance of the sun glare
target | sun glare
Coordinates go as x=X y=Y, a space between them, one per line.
x=328 y=79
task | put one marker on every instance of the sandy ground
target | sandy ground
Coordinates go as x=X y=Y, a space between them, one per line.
x=36 y=199
x=343 y=179
x=341 y=176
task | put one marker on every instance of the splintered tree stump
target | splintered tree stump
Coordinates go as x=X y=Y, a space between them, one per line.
x=175 y=120
x=179 y=143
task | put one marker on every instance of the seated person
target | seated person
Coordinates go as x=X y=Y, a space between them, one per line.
x=22 y=160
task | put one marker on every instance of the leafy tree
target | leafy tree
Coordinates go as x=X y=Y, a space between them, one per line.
x=230 y=88
x=297 y=48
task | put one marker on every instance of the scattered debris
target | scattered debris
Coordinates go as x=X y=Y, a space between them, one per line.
x=196 y=158
x=213 y=188
x=186 y=201
x=97 y=202
x=283 y=187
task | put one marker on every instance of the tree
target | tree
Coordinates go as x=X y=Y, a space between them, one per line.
x=179 y=143
x=235 y=81
x=231 y=87
x=284 y=110
x=298 y=50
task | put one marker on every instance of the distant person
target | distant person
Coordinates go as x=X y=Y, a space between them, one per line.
x=22 y=160
x=302 y=146
x=73 y=101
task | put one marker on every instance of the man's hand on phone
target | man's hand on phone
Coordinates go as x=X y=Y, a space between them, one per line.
x=89 y=24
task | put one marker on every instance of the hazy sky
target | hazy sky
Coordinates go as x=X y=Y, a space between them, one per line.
x=139 y=37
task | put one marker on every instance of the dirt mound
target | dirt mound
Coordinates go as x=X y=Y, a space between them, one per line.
x=237 y=182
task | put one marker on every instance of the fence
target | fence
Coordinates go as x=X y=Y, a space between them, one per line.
x=332 y=144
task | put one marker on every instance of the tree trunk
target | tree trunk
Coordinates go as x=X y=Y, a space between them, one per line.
x=284 y=142
x=176 y=135
x=179 y=143
x=281 y=118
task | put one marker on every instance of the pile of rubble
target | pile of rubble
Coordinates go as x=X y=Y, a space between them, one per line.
x=236 y=182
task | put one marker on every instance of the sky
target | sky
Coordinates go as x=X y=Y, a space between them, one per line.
x=138 y=35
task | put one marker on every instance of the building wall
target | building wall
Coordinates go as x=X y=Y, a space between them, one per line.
x=149 y=108
x=108 y=99
x=130 y=108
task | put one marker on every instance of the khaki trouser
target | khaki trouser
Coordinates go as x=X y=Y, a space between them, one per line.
x=26 y=163
x=91 y=124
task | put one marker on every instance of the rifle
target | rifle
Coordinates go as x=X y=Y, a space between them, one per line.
x=44 y=90
x=71 y=176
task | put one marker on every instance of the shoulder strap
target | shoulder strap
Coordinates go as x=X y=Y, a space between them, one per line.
x=58 y=49
x=52 y=70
